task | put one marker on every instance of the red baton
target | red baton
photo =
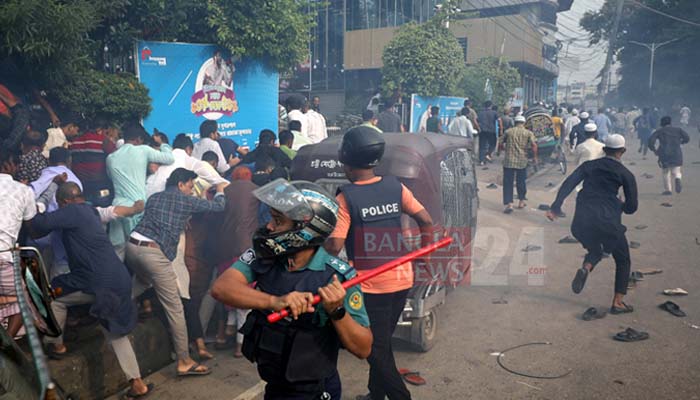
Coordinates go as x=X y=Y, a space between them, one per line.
x=276 y=316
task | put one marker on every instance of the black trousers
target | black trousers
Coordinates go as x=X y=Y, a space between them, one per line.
x=596 y=241
x=487 y=143
x=330 y=389
x=384 y=311
x=508 y=175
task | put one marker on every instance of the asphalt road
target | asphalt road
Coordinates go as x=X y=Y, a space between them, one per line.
x=521 y=297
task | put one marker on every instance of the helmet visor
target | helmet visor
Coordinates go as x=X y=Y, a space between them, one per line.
x=285 y=198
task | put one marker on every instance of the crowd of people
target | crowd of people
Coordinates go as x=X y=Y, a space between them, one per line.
x=209 y=231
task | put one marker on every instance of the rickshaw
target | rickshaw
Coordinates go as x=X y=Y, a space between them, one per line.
x=24 y=373
x=539 y=121
x=440 y=171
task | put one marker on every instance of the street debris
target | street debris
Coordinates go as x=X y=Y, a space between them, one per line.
x=641 y=227
x=568 y=239
x=619 y=382
x=492 y=186
x=528 y=385
x=632 y=163
x=650 y=271
x=549 y=185
x=675 y=292
x=485 y=168
x=647 y=176
x=531 y=247
x=543 y=207
x=499 y=301
x=691 y=325
x=666 y=205
x=634 y=245
x=502 y=354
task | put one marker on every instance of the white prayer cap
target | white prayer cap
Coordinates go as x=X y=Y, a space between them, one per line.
x=615 y=142
x=590 y=127
x=519 y=118
x=584 y=115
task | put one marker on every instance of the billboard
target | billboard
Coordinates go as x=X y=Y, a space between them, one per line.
x=191 y=83
x=420 y=110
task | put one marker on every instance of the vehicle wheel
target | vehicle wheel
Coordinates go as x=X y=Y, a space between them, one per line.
x=425 y=331
x=562 y=163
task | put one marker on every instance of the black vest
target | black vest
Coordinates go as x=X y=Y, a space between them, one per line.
x=375 y=235
x=298 y=353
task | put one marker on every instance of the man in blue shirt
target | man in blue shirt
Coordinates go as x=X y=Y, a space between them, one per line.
x=603 y=123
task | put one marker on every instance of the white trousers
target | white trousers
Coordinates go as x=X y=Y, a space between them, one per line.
x=666 y=175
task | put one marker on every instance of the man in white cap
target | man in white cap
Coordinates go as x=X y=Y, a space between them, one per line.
x=571 y=121
x=578 y=132
x=516 y=142
x=590 y=148
x=597 y=221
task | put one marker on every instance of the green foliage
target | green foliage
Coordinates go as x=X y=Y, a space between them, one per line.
x=276 y=31
x=676 y=63
x=422 y=59
x=118 y=97
x=46 y=38
x=503 y=79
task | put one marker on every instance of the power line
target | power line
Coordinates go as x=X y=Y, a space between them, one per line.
x=646 y=7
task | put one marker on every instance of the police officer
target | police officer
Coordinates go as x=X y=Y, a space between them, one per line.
x=297 y=356
x=369 y=215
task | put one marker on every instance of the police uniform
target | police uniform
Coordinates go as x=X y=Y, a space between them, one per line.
x=297 y=358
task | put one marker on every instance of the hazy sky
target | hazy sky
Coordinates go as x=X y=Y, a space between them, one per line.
x=575 y=44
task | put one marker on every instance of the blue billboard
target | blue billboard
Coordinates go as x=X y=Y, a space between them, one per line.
x=420 y=110
x=191 y=83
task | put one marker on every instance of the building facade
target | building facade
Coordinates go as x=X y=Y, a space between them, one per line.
x=350 y=36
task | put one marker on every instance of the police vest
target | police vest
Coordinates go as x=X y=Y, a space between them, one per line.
x=375 y=234
x=292 y=352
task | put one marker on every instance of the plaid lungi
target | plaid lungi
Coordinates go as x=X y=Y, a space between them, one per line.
x=8 y=294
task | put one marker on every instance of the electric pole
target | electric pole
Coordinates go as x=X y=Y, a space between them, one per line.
x=604 y=76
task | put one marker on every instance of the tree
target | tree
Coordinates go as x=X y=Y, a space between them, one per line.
x=278 y=32
x=423 y=59
x=117 y=97
x=676 y=63
x=503 y=79
x=58 y=45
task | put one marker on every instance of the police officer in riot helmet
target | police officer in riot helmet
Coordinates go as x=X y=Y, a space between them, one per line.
x=296 y=356
x=371 y=207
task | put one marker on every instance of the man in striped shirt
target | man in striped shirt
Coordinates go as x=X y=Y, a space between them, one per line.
x=89 y=152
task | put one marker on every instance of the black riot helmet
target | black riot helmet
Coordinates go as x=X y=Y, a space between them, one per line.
x=312 y=209
x=362 y=147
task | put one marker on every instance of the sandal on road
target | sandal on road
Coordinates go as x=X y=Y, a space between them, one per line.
x=195 y=370
x=593 y=313
x=621 y=310
x=129 y=395
x=579 y=280
x=673 y=308
x=412 y=377
x=631 y=335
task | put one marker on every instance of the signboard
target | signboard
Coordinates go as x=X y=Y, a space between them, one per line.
x=517 y=98
x=192 y=83
x=420 y=110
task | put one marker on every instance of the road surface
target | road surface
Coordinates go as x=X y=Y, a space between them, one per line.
x=518 y=298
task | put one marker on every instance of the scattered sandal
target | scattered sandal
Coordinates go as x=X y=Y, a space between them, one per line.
x=593 y=313
x=621 y=310
x=634 y=245
x=568 y=239
x=412 y=377
x=631 y=335
x=531 y=247
x=666 y=205
x=672 y=308
x=675 y=292
x=492 y=186
x=640 y=227
x=543 y=207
